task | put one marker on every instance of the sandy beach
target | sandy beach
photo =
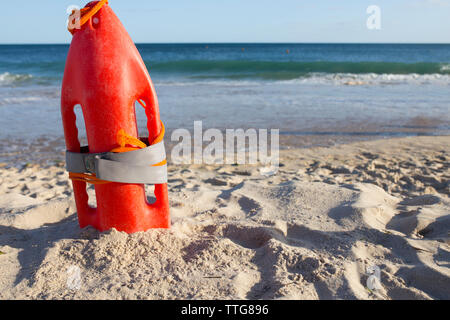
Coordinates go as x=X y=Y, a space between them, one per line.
x=310 y=231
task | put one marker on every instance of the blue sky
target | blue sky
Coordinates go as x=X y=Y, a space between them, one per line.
x=43 y=21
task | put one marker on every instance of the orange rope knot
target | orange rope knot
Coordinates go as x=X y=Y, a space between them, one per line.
x=123 y=139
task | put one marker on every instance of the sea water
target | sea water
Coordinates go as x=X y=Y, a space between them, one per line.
x=332 y=92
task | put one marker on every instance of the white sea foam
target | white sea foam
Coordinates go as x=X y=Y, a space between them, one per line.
x=340 y=79
x=7 y=78
x=18 y=100
x=445 y=68
x=370 y=79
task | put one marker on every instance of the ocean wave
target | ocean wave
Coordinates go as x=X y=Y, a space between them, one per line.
x=239 y=73
x=17 y=100
x=445 y=68
x=339 y=79
x=373 y=79
x=271 y=70
x=7 y=79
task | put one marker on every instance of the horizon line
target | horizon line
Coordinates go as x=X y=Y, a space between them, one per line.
x=212 y=43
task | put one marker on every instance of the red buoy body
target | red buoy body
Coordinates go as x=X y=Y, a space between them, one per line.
x=106 y=75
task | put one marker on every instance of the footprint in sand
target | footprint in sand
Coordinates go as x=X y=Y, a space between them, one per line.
x=249 y=206
x=248 y=237
x=216 y=182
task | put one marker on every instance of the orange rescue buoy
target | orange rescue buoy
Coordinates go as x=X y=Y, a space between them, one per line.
x=106 y=75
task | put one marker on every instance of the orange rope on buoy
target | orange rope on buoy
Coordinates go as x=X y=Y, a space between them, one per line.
x=84 y=177
x=122 y=139
x=87 y=13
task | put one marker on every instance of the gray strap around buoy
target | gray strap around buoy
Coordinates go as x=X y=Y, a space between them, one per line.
x=127 y=167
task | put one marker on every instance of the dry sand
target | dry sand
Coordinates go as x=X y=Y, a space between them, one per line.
x=308 y=232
